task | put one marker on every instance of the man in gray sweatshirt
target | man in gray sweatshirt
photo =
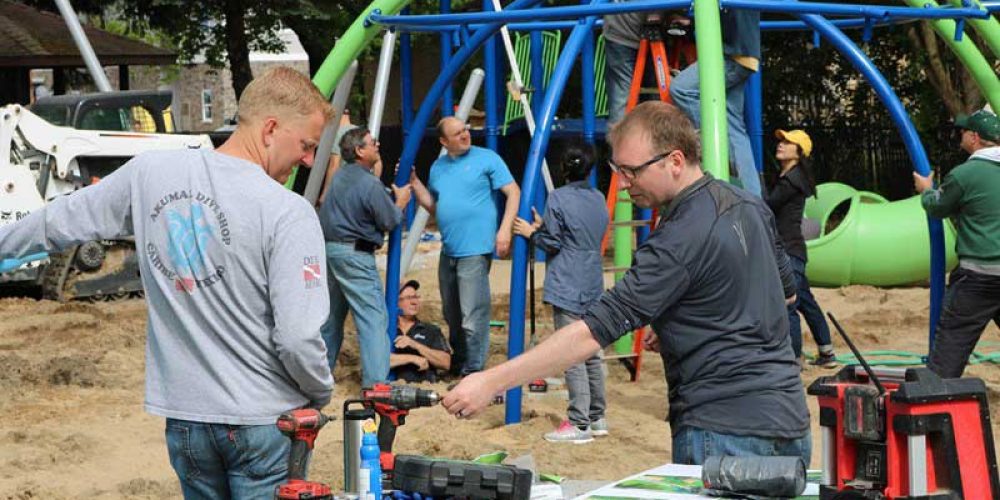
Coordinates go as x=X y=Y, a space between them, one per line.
x=232 y=264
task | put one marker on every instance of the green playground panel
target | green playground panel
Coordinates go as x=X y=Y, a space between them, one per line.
x=551 y=42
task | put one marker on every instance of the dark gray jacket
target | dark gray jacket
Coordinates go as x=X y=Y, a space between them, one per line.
x=711 y=280
x=574 y=223
x=357 y=207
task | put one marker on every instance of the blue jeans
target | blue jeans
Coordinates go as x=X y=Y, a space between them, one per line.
x=619 y=64
x=806 y=304
x=465 y=300
x=687 y=96
x=693 y=445
x=354 y=283
x=227 y=461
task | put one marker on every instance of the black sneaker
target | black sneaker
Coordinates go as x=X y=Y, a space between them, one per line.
x=825 y=361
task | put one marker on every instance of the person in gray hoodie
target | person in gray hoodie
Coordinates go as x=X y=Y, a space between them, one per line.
x=233 y=269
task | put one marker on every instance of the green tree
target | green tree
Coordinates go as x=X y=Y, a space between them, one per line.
x=221 y=31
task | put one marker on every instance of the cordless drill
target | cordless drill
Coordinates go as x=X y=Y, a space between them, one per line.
x=393 y=404
x=301 y=426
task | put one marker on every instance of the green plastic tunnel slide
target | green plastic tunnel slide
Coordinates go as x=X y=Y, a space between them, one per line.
x=351 y=43
x=876 y=242
x=829 y=196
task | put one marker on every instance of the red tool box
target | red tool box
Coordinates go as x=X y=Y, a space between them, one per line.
x=905 y=434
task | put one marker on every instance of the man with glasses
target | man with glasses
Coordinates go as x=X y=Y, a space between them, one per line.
x=712 y=280
x=355 y=217
x=421 y=349
x=462 y=189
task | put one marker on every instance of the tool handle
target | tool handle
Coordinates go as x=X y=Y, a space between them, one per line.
x=386 y=433
x=298 y=458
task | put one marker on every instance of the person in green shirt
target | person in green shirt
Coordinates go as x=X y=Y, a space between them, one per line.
x=970 y=196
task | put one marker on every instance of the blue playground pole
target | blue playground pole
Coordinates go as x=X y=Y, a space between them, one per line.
x=532 y=169
x=406 y=99
x=500 y=80
x=537 y=82
x=565 y=25
x=877 y=12
x=406 y=78
x=447 y=101
x=753 y=105
x=914 y=147
x=412 y=144
x=492 y=90
x=587 y=87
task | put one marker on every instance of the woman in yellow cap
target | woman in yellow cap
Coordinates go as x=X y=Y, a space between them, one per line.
x=787 y=200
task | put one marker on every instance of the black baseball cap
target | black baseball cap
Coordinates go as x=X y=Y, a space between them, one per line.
x=414 y=284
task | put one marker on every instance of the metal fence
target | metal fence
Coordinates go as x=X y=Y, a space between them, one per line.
x=862 y=147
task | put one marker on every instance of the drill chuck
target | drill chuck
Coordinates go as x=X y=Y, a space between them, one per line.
x=427 y=397
x=401 y=397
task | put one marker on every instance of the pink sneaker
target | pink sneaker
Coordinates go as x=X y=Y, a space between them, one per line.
x=569 y=433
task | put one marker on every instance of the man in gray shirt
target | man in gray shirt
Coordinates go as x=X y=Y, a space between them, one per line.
x=712 y=281
x=355 y=217
x=232 y=265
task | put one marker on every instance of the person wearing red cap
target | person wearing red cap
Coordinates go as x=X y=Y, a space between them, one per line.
x=787 y=200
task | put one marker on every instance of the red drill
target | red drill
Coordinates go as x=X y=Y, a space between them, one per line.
x=301 y=426
x=393 y=404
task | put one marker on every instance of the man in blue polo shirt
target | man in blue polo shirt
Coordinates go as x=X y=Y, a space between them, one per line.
x=463 y=184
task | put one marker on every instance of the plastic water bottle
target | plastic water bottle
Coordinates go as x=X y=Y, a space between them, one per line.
x=370 y=480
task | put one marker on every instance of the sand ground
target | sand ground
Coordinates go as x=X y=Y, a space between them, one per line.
x=71 y=391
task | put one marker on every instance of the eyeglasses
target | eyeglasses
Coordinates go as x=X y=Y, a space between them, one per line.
x=409 y=297
x=630 y=172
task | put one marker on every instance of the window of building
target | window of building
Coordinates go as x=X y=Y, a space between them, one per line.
x=206 y=105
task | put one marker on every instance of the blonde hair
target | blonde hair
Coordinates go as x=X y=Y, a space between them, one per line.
x=667 y=127
x=281 y=92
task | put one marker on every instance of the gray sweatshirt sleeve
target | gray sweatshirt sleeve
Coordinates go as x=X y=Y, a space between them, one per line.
x=655 y=282
x=296 y=276
x=99 y=211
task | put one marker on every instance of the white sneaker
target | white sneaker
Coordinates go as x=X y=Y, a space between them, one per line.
x=569 y=433
x=599 y=427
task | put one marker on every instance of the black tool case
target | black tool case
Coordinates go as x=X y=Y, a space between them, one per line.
x=449 y=478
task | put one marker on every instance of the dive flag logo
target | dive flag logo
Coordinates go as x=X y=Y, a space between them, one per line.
x=312 y=272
